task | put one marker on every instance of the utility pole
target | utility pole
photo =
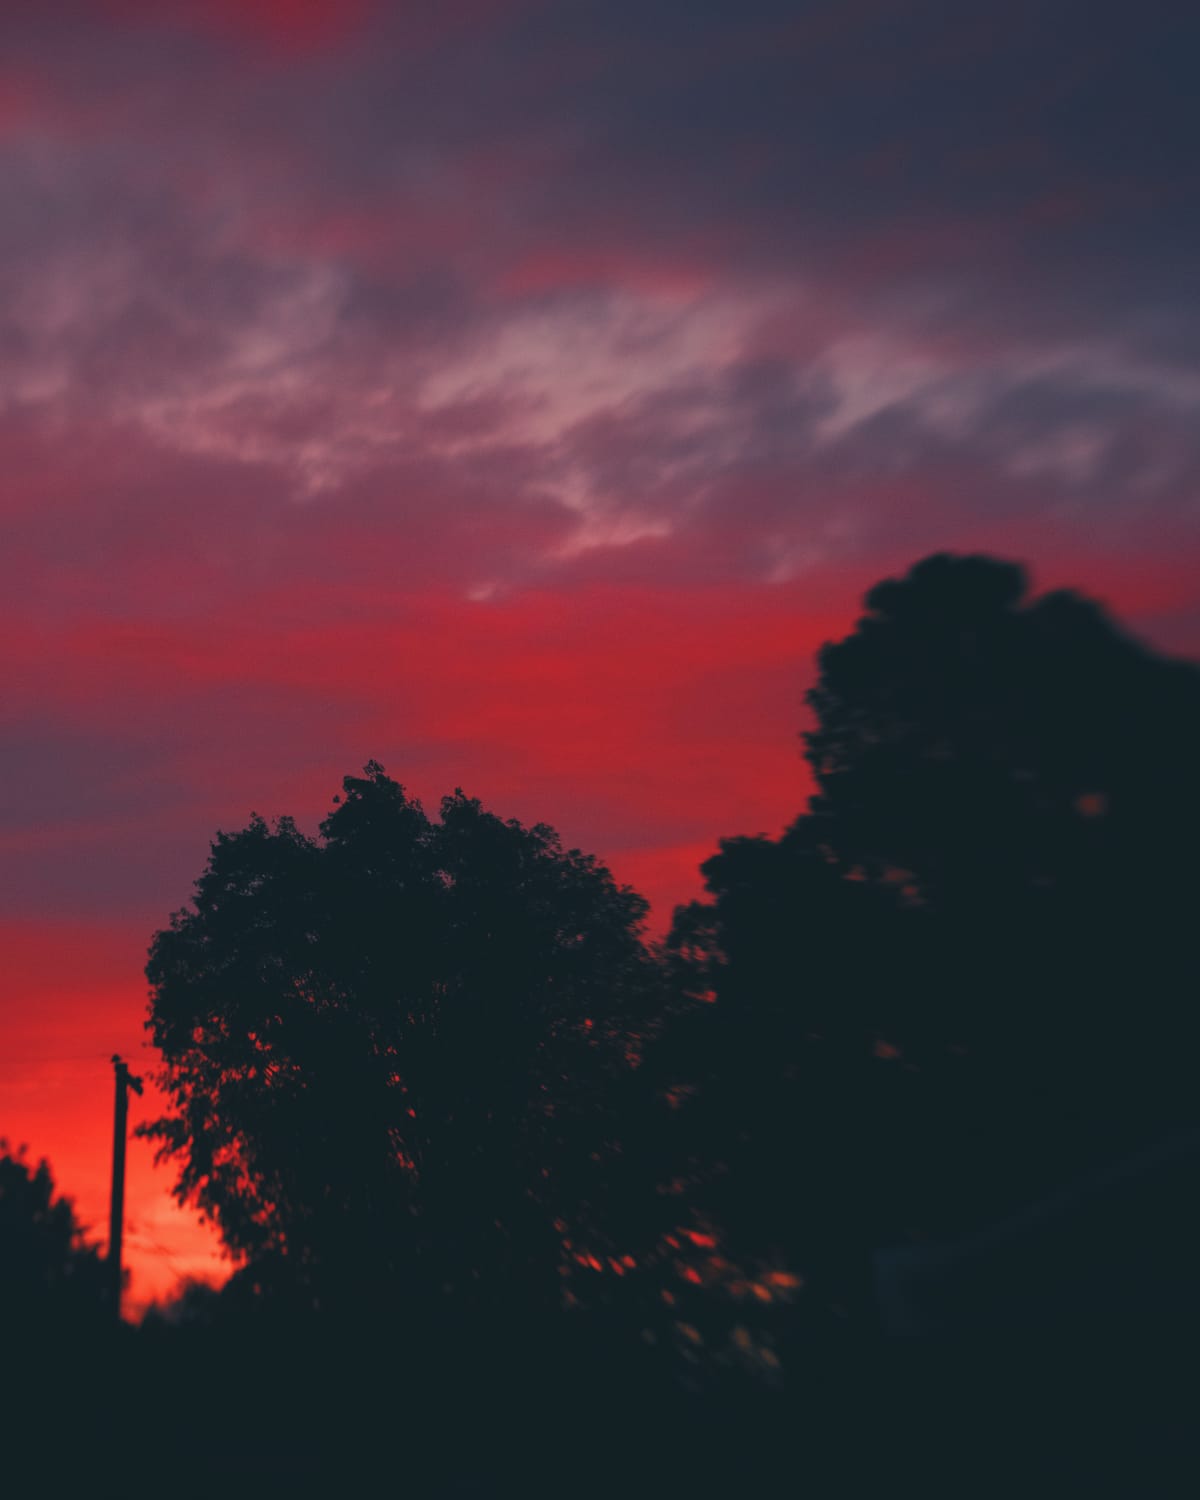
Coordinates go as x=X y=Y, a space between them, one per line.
x=116 y=1207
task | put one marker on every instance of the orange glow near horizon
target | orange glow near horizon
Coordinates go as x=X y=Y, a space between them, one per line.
x=56 y=1086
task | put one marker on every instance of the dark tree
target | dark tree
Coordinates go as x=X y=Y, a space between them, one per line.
x=778 y=1068
x=391 y=1049
x=990 y=745
x=1026 y=772
x=49 y=1273
x=965 y=974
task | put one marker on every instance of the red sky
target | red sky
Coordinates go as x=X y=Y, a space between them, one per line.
x=520 y=394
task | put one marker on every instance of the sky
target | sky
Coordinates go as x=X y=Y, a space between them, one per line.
x=519 y=392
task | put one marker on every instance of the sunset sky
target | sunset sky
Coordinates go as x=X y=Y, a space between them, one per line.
x=518 y=392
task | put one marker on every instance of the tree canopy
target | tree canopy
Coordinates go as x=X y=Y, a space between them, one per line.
x=995 y=746
x=388 y=1047
x=1025 y=771
x=965 y=972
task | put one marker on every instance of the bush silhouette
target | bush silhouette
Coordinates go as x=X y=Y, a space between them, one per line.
x=50 y=1276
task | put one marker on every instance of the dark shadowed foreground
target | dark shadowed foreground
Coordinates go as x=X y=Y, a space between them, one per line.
x=293 y=1413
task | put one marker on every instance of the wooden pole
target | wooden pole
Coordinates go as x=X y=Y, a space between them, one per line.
x=116 y=1205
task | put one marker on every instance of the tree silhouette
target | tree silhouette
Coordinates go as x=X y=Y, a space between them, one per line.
x=965 y=974
x=1026 y=772
x=1031 y=738
x=779 y=1074
x=390 y=1049
x=419 y=1061
x=49 y=1274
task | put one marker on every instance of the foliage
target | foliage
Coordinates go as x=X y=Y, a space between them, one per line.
x=48 y=1271
x=433 y=1060
x=389 y=1047
x=1027 y=773
x=965 y=973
